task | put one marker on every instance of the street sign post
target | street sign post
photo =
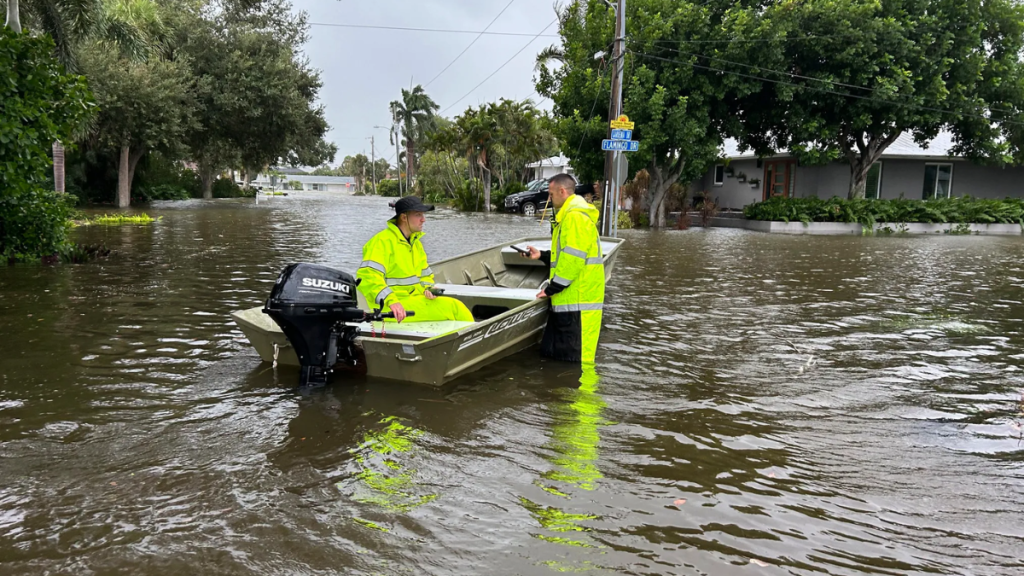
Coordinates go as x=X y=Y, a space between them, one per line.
x=620 y=145
x=621 y=169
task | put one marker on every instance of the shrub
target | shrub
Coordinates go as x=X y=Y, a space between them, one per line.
x=226 y=188
x=388 y=188
x=34 y=224
x=164 y=192
x=871 y=212
x=41 y=104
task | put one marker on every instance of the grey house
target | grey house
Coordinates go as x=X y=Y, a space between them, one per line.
x=906 y=169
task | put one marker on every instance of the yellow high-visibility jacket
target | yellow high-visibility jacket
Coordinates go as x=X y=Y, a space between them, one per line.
x=576 y=284
x=393 y=267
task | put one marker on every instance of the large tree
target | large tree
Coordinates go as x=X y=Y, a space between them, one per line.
x=257 y=98
x=680 y=112
x=844 y=78
x=144 y=106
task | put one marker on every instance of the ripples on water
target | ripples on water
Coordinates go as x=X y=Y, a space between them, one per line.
x=762 y=404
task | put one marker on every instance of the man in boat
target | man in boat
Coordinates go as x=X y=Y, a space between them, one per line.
x=395 y=275
x=576 y=276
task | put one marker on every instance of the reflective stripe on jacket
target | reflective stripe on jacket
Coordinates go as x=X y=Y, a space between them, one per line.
x=577 y=264
x=393 y=267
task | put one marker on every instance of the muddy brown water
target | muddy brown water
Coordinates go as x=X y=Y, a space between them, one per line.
x=761 y=405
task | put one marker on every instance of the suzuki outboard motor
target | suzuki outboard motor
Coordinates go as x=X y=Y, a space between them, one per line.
x=311 y=304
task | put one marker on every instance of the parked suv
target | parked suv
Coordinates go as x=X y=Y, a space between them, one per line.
x=531 y=201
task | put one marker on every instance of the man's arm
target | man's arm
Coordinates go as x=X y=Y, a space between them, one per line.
x=371 y=274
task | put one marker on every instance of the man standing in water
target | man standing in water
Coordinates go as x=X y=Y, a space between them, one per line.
x=394 y=273
x=576 y=277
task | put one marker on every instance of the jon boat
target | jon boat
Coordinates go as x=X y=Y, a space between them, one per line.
x=496 y=284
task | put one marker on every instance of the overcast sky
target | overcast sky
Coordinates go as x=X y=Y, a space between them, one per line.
x=365 y=69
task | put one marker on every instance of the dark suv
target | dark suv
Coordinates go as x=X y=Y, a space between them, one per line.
x=529 y=202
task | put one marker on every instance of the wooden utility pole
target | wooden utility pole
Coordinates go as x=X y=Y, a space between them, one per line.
x=610 y=200
x=373 y=167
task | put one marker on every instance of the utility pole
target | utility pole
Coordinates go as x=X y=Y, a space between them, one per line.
x=398 y=152
x=373 y=167
x=611 y=197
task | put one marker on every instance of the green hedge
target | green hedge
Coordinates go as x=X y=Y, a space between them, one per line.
x=34 y=223
x=870 y=212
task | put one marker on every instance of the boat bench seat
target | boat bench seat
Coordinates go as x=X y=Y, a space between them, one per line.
x=413 y=329
x=489 y=292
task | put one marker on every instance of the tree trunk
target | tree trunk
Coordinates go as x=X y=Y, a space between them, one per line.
x=486 y=173
x=133 y=161
x=862 y=151
x=658 y=189
x=58 y=166
x=409 y=157
x=13 y=19
x=124 y=184
x=858 y=178
x=206 y=177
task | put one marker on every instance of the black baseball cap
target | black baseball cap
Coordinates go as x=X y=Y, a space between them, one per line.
x=411 y=204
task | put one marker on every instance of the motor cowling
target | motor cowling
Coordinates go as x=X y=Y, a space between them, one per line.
x=311 y=303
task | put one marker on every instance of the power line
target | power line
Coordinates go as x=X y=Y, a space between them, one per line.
x=790 y=74
x=478 y=36
x=439 y=30
x=537 y=35
x=826 y=91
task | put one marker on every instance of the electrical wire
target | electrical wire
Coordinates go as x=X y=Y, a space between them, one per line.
x=538 y=35
x=478 y=36
x=439 y=30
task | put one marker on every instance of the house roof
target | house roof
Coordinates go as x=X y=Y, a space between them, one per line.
x=311 y=179
x=903 y=147
x=557 y=161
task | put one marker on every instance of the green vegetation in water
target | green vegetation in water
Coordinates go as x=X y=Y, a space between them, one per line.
x=957 y=211
x=119 y=219
x=275 y=193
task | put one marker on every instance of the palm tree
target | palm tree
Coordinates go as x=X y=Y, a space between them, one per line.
x=479 y=128
x=415 y=112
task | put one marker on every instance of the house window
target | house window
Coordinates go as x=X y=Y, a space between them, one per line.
x=938 y=180
x=719 y=174
x=873 y=186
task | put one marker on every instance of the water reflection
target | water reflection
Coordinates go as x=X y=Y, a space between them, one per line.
x=574 y=442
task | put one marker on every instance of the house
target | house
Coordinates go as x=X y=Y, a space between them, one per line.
x=906 y=169
x=308 y=182
x=548 y=167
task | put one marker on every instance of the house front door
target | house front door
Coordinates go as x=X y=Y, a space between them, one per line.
x=779 y=178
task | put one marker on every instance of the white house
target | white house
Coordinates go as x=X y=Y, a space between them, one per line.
x=309 y=182
x=906 y=170
x=548 y=167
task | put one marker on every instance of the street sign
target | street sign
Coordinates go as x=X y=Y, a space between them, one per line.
x=620 y=145
x=622 y=123
x=621 y=169
x=622 y=134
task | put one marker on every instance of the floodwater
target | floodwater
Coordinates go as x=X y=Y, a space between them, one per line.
x=761 y=405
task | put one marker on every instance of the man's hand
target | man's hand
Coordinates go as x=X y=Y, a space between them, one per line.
x=534 y=253
x=398 y=310
x=541 y=294
x=428 y=294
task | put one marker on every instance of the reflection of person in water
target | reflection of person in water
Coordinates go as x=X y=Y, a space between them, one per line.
x=574 y=438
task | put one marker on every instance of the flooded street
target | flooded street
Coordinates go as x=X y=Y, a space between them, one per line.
x=762 y=404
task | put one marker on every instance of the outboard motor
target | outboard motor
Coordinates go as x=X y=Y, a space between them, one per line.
x=311 y=304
